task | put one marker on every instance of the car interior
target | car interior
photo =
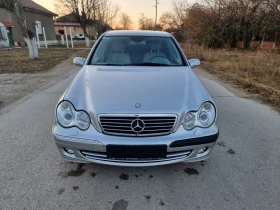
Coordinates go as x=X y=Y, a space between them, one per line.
x=136 y=50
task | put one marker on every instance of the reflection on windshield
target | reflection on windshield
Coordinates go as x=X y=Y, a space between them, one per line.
x=137 y=51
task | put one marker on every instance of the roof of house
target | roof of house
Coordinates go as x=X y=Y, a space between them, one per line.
x=70 y=19
x=31 y=5
x=67 y=18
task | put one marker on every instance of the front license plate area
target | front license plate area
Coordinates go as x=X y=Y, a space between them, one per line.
x=131 y=152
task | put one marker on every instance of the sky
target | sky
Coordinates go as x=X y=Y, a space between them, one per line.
x=134 y=8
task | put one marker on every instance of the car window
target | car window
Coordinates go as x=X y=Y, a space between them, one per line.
x=138 y=51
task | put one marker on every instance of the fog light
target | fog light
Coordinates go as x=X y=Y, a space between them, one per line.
x=70 y=151
x=202 y=150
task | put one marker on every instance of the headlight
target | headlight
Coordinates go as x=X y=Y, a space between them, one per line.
x=68 y=117
x=204 y=117
x=189 y=120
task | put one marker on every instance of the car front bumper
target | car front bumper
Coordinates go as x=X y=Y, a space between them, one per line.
x=90 y=145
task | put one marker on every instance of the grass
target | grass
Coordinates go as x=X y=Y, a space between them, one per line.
x=17 y=60
x=77 y=44
x=258 y=72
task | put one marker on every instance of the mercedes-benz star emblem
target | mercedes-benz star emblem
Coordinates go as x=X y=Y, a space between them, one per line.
x=137 y=125
x=137 y=105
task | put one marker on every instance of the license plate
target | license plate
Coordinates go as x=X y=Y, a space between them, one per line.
x=131 y=152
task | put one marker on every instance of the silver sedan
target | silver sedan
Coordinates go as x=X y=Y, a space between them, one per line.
x=135 y=102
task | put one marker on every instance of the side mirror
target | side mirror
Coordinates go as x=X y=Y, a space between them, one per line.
x=194 y=62
x=78 y=61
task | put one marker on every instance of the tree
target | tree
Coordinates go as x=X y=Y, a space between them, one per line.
x=145 y=23
x=16 y=7
x=174 y=20
x=167 y=20
x=200 y=29
x=180 y=11
x=81 y=9
x=125 y=22
x=107 y=12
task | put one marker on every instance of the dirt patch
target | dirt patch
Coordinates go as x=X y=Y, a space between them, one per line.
x=231 y=151
x=124 y=176
x=75 y=187
x=161 y=203
x=148 y=197
x=78 y=172
x=120 y=205
x=74 y=173
x=60 y=191
x=93 y=174
x=191 y=171
x=77 y=44
x=16 y=85
x=202 y=163
x=221 y=144
x=18 y=61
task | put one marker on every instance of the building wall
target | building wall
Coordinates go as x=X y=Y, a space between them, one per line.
x=31 y=17
x=79 y=30
x=5 y=16
x=46 y=22
x=17 y=36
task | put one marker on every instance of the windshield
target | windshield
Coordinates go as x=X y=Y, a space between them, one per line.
x=137 y=51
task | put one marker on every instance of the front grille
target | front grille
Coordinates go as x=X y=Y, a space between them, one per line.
x=137 y=125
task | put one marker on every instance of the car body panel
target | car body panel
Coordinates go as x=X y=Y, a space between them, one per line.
x=158 y=90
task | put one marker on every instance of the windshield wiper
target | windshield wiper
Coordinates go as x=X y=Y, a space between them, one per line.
x=147 y=64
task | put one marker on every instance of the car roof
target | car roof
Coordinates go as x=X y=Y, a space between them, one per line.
x=137 y=33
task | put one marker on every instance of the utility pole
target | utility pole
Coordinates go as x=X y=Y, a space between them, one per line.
x=156 y=11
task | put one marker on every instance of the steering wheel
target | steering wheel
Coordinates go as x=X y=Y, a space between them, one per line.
x=159 y=59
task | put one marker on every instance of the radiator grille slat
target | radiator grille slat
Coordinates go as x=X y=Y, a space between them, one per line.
x=137 y=125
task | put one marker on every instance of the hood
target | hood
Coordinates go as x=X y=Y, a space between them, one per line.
x=103 y=90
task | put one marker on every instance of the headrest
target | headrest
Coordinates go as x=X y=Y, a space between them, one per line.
x=154 y=45
x=118 y=46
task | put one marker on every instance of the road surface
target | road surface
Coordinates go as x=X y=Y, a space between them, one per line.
x=242 y=173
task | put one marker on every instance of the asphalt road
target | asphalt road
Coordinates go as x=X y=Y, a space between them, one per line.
x=242 y=173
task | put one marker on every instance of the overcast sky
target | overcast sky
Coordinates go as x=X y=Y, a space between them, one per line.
x=133 y=8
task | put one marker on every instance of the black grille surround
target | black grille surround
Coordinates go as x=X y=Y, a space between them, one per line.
x=138 y=125
x=103 y=156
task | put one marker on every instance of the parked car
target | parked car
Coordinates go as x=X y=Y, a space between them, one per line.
x=135 y=102
x=78 y=37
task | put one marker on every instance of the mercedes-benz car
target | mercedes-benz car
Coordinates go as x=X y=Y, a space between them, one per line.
x=135 y=102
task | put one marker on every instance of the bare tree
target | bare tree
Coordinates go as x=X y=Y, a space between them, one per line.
x=174 y=20
x=180 y=11
x=146 y=23
x=16 y=7
x=107 y=12
x=168 y=20
x=81 y=9
x=125 y=22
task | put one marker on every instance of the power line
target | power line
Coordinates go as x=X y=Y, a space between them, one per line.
x=156 y=11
